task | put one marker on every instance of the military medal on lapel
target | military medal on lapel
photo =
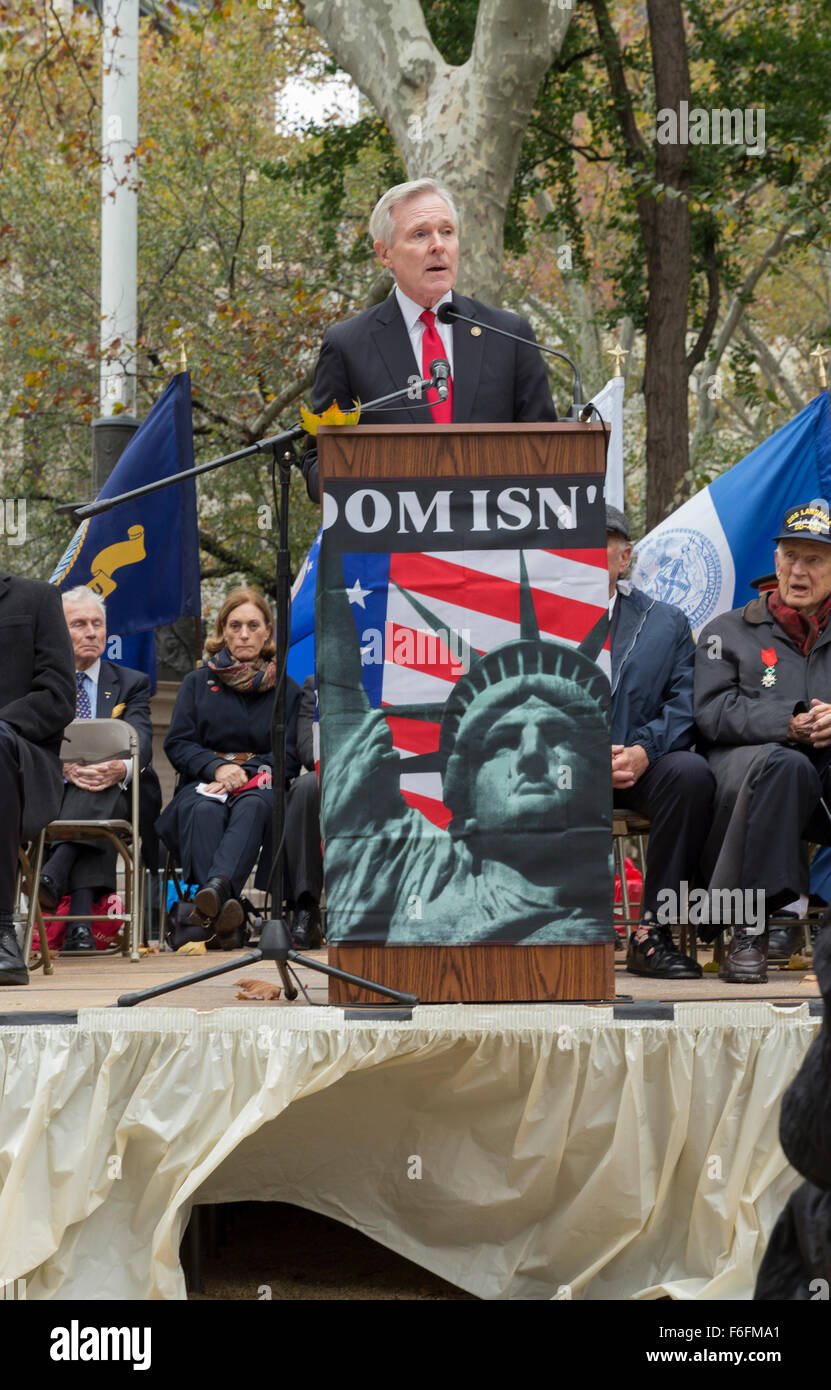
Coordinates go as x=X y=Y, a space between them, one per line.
x=770 y=659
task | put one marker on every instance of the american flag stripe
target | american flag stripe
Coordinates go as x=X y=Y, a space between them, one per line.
x=414 y=735
x=476 y=594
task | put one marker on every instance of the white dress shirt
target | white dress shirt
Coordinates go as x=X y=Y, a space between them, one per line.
x=412 y=321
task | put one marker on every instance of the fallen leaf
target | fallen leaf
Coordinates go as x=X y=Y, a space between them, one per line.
x=257 y=989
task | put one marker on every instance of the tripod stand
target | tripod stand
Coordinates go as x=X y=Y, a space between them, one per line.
x=281 y=447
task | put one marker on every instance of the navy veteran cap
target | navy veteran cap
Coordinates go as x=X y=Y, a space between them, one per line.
x=809 y=521
x=616 y=521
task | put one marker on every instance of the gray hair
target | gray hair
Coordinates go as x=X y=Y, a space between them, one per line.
x=382 y=224
x=80 y=594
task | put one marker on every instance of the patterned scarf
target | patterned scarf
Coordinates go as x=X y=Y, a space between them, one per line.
x=802 y=628
x=248 y=677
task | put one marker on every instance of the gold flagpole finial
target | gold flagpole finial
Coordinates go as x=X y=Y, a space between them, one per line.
x=183 y=357
x=821 y=355
x=619 y=354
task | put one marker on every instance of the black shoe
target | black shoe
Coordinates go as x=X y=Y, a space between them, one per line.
x=12 y=966
x=653 y=952
x=784 y=942
x=79 y=940
x=746 y=960
x=214 y=906
x=306 y=933
x=49 y=893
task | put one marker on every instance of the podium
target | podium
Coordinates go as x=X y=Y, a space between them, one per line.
x=462 y=460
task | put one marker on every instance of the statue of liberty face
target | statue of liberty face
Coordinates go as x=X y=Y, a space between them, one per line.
x=526 y=774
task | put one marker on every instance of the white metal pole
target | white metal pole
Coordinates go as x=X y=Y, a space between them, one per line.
x=119 y=205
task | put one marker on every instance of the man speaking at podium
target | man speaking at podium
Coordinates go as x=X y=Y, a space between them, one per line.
x=491 y=379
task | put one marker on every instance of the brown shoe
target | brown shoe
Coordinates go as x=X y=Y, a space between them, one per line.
x=746 y=960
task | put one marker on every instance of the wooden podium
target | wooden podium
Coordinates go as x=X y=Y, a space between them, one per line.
x=480 y=973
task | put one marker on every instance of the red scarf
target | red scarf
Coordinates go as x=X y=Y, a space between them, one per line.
x=802 y=628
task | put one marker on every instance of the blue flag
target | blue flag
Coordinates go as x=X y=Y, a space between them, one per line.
x=703 y=557
x=301 y=662
x=142 y=558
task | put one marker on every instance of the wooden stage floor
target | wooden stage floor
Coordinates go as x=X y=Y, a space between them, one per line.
x=81 y=983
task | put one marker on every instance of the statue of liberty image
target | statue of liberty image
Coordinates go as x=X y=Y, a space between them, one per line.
x=524 y=756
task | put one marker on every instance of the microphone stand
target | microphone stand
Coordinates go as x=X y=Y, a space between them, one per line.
x=283 y=457
x=446 y=313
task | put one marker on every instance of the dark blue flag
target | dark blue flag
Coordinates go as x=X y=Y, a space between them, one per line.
x=142 y=558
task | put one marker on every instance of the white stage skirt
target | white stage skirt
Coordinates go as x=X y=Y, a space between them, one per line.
x=518 y=1151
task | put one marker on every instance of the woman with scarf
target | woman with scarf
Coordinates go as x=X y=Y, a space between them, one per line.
x=219 y=742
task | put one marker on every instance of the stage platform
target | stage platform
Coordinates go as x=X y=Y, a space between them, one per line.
x=621 y=1150
x=80 y=983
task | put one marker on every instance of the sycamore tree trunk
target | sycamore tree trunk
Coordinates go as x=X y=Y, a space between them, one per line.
x=462 y=125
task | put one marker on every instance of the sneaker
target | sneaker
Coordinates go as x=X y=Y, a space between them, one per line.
x=652 y=951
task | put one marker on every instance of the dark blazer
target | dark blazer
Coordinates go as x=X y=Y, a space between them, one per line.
x=37 y=690
x=494 y=379
x=120 y=685
x=210 y=718
x=653 y=656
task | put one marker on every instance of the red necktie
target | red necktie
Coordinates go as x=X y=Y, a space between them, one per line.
x=431 y=348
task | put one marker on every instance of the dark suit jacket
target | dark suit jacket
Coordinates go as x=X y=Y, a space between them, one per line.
x=37 y=690
x=120 y=685
x=494 y=379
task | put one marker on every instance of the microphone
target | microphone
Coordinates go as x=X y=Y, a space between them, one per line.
x=446 y=313
x=440 y=372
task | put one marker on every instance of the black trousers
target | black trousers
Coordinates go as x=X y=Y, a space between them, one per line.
x=676 y=793
x=94 y=863
x=222 y=840
x=784 y=808
x=304 y=858
x=12 y=804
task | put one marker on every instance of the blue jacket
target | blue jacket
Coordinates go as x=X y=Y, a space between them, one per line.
x=652 y=675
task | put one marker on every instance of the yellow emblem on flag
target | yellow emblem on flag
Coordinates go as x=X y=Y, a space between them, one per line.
x=113 y=557
x=333 y=415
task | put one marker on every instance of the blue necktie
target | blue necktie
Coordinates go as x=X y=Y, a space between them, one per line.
x=83 y=708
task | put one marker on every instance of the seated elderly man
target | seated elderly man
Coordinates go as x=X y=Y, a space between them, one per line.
x=653 y=771
x=762 y=689
x=87 y=869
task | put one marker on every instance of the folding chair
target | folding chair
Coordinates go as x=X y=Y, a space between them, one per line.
x=96 y=741
x=27 y=880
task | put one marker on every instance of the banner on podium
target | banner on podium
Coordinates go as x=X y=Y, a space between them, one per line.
x=463 y=671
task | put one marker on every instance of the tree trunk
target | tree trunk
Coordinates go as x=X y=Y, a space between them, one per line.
x=665 y=225
x=664 y=215
x=463 y=125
